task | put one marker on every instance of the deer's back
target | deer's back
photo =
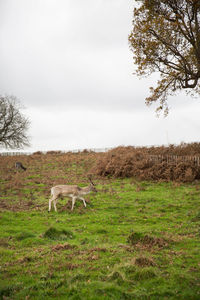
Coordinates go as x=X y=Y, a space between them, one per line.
x=65 y=189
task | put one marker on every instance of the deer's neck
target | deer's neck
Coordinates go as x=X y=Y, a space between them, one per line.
x=85 y=190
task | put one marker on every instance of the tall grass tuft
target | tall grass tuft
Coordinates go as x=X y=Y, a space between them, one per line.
x=55 y=234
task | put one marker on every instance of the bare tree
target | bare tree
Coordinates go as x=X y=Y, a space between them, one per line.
x=13 y=124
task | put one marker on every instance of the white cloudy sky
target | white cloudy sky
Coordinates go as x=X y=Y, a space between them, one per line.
x=69 y=63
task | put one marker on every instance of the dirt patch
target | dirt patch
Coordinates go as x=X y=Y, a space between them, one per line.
x=4 y=243
x=6 y=204
x=66 y=246
x=145 y=241
x=70 y=266
x=144 y=262
x=25 y=259
x=97 y=249
x=93 y=257
x=154 y=241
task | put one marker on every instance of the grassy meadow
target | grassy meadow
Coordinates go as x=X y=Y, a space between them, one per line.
x=134 y=240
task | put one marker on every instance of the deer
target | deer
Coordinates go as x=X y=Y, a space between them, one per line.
x=18 y=166
x=72 y=191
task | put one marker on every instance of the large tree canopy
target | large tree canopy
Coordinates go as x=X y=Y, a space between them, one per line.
x=166 y=38
x=13 y=124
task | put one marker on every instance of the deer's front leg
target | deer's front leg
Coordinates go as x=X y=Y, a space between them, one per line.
x=83 y=201
x=73 y=202
x=50 y=200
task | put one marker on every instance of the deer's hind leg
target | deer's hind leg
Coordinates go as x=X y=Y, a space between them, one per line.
x=54 y=200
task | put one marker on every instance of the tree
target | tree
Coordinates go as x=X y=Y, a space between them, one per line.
x=166 y=38
x=13 y=124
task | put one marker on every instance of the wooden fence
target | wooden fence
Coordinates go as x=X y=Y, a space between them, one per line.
x=14 y=153
x=169 y=159
x=18 y=153
x=175 y=159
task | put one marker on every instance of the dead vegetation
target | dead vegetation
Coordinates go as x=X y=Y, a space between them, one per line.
x=137 y=162
x=65 y=246
x=143 y=261
x=141 y=241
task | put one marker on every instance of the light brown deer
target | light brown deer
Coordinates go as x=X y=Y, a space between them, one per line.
x=73 y=191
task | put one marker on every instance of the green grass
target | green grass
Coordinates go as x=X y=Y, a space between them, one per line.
x=126 y=244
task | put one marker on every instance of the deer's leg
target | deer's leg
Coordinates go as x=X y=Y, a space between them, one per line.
x=83 y=201
x=50 y=200
x=54 y=203
x=54 y=199
x=73 y=202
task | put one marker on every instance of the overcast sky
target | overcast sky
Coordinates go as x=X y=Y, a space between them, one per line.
x=69 y=63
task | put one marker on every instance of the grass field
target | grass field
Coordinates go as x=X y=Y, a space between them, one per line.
x=132 y=241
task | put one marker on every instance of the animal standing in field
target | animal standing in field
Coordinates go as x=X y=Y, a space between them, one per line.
x=19 y=166
x=73 y=191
